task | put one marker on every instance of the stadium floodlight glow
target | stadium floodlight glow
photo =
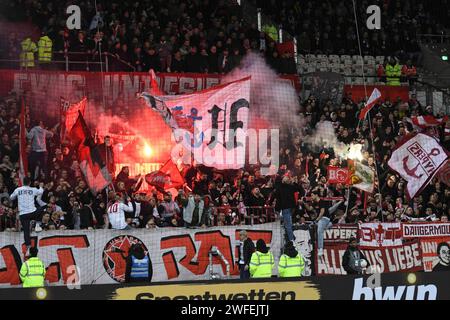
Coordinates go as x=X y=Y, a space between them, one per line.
x=444 y=58
x=354 y=152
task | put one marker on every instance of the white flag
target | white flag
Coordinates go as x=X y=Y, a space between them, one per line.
x=211 y=124
x=417 y=160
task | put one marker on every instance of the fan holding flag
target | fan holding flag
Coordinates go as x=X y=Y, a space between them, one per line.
x=374 y=98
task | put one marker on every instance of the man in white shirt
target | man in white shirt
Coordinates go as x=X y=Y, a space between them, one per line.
x=26 y=196
x=116 y=213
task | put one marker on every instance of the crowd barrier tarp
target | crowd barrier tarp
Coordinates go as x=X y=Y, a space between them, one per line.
x=388 y=247
x=94 y=256
x=113 y=85
x=391 y=286
x=406 y=258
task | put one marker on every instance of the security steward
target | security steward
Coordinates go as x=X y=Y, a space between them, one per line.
x=27 y=54
x=138 y=267
x=291 y=263
x=393 y=73
x=262 y=261
x=45 y=45
x=32 y=272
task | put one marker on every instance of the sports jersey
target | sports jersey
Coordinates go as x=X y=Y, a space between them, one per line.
x=26 y=196
x=116 y=214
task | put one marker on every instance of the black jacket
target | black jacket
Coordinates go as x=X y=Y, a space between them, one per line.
x=346 y=260
x=248 y=250
x=284 y=194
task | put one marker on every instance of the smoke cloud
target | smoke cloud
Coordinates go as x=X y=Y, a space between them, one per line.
x=274 y=102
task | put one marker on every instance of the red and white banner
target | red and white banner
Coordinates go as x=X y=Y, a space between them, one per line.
x=111 y=86
x=425 y=230
x=380 y=234
x=337 y=175
x=211 y=125
x=417 y=160
x=402 y=258
x=424 y=122
x=176 y=254
x=436 y=253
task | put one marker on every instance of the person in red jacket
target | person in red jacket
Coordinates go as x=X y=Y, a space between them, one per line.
x=409 y=72
x=381 y=72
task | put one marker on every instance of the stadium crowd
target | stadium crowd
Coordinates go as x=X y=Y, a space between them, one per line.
x=227 y=197
x=328 y=27
x=166 y=36
x=210 y=36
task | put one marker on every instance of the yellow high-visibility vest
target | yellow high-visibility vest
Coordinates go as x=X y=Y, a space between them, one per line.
x=27 y=53
x=261 y=264
x=393 y=74
x=45 y=45
x=271 y=31
x=32 y=273
x=290 y=267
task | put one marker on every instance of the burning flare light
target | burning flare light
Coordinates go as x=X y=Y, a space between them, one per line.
x=147 y=151
x=354 y=152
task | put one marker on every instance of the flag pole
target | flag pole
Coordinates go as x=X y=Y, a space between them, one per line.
x=368 y=113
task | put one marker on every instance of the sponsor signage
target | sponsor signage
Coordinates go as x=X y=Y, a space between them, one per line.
x=391 y=286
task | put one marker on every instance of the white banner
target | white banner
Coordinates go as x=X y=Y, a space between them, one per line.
x=377 y=234
x=417 y=160
x=175 y=253
x=425 y=230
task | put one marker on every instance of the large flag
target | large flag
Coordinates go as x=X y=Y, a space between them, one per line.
x=374 y=97
x=211 y=124
x=361 y=176
x=444 y=173
x=69 y=114
x=23 y=160
x=417 y=159
x=88 y=155
x=166 y=178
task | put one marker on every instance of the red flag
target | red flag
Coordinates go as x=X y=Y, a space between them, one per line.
x=88 y=155
x=337 y=175
x=155 y=90
x=69 y=114
x=23 y=160
x=166 y=178
x=374 y=97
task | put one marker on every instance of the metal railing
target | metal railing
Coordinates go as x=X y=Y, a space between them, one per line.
x=72 y=61
x=242 y=215
x=436 y=38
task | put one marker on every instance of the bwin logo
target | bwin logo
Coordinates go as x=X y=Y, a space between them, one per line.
x=422 y=292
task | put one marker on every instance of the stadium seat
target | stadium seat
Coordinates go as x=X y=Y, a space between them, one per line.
x=379 y=59
x=346 y=57
x=334 y=58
